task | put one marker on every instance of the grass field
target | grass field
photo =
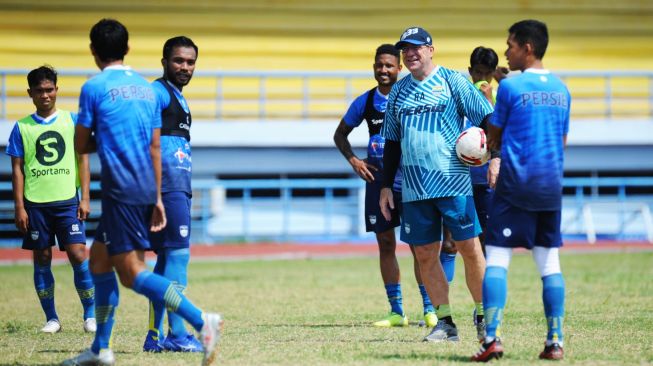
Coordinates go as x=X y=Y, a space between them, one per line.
x=318 y=312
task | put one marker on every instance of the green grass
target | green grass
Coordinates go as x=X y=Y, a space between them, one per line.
x=318 y=312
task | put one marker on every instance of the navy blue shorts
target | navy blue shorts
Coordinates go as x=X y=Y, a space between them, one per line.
x=176 y=234
x=46 y=223
x=511 y=227
x=422 y=220
x=124 y=228
x=374 y=220
x=482 y=198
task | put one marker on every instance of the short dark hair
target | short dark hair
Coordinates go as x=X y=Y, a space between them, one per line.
x=179 y=41
x=484 y=56
x=531 y=31
x=109 y=39
x=45 y=72
x=387 y=49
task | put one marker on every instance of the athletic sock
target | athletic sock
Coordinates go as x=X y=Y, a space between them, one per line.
x=443 y=311
x=44 y=285
x=157 y=309
x=158 y=288
x=478 y=310
x=176 y=269
x=85 y=288
x=553 y=297
x=107 y=297
x=448 y=262
x=394 y=297
x=494 y=299
x=426 y=300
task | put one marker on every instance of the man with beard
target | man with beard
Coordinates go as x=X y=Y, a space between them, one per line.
x=172 y=243
x=370 y=106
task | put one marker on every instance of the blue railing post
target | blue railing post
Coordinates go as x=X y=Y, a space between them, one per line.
x=247 y=201
x=328 y=214
x=286 y=197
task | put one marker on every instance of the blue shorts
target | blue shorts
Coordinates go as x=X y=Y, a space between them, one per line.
x=509 y=226
x=46 y=223
x=176 y=234
x=482 y=198
x=124 y=228
x=422 y=220
x=374 y=220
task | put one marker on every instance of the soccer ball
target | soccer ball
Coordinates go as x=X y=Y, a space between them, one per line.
x=471 y=147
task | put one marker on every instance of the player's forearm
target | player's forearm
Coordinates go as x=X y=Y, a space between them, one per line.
x=17 y=182
x=391 y=160
x=342 y=142
x=84 y=176
x=155 y=153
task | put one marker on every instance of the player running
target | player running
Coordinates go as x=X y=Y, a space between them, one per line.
x=120 y=108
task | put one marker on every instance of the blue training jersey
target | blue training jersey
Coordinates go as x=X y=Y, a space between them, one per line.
x=533 y=111
x=426 y=117
x=376 y=143
x=176 y=162
x=120 y=107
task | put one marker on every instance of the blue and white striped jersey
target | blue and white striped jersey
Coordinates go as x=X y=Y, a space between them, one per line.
x=426 y=117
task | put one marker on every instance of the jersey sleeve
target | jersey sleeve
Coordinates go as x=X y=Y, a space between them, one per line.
x=354 y=116
x=391 y=124
x=501 y=107
x=161 y=95
x=74 y=117
x=86 y=112
x=565 y=127
x=15 y=147
x=469 y=101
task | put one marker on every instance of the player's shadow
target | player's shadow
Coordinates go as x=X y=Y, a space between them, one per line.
x=422 y=356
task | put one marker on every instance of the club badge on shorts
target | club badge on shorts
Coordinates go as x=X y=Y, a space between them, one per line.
x=34 y=234
x=372 y=219
x=407 y=228
x=183 y=230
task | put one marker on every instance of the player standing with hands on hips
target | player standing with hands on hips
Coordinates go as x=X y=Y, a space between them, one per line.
x=426 y=113
x=530 y=125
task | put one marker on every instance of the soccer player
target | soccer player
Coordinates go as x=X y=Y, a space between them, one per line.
x=46 y=174
x=370 y=106
x=426 y=113
x=530 y=125
x=173 y=242
x=120 y=108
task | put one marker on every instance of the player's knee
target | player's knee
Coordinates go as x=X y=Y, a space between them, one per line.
x=449 y=246
x=42 y=257
x=387 y=243
x=76 y=253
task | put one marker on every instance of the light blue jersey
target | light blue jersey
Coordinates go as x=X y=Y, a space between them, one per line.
x=533 y=111
x=427 y=116
x=176 y=161
x=120 y=107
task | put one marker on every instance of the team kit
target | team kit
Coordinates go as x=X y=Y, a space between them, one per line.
x=454 y=164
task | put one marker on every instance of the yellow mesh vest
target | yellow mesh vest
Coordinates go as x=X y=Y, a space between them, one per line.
x=50 y=163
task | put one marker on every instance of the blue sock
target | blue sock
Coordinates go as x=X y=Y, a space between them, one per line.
x=158 y=288
x=176 y=270
x=448 y=262
x=394 y=297
x=85 y=288
x=426 y=300
x=157 y=309
x=553 y=296
x=44 y=285
x=495 y=291
x=107 y=298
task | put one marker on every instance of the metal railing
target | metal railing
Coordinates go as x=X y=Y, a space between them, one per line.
x=314 y=95
x=329 y=209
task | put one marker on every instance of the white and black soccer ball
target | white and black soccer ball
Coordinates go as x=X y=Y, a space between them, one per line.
x=471 y=147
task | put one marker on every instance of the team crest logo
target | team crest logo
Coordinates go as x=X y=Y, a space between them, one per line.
x=183 y=230
x=372 y=219
x=437 y=90
x=74 y=227
x=34 y=234
x=407 y=228
x=507 y=232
